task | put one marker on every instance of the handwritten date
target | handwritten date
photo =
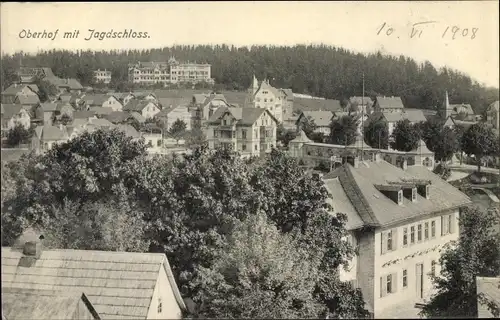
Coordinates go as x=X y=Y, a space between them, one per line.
x=417 y=30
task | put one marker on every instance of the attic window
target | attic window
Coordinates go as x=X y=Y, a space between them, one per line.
x=427 y=191
x=414 y=194
x=160 y=305
x=400 y=197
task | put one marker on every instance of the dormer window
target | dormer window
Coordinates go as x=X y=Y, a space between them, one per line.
x=414 y=194
x=400 y=197
x=224 y=122
x=427 y=191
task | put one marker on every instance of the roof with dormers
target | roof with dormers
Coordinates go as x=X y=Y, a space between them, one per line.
x=377 y=210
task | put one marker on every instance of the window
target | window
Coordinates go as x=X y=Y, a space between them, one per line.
x=405 y=278
x=433 y=268
x=389 y=241
x=160 y=306
x=405 y=236
x=433 y=229
x=265 y=100
x=419 y=232
x=400 y=196
x=224 y=122
x=414 y=194
x=255 y=148
x=244 y=147
x=256 y=133
x=426 y=231
x=150 y=143
x=389 y=284
x=445 y=225
x=158 y=143
x=412 y=234
x=244 y=134
x=216 y=133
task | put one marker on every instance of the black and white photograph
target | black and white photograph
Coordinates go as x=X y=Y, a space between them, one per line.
x=250 y=160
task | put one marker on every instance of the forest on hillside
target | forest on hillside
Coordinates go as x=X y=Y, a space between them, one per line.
x=319 y=70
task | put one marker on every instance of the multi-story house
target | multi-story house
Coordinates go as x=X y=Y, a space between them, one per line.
x=206 y=104
x=249 y=131
x=392 y=118
x=170 y=115
x=26 y=91
x=47 y=136
x=287 y=103
x=263 y=95
x=145 y=108
x=13 y=114
x=151 y=73
x=493 y=115
x=103 y=76
x=100 y=100
x=360 y=104
x=119 y=285
x=312 y=154
x=399 y=219
x=321 y=120
x=388 y=104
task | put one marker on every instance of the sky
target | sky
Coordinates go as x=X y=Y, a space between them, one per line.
x=463 y=35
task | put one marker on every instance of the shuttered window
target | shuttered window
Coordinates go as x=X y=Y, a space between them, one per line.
x=433 y=229
x=389 y=241
x=405 y=236
x=452 y=222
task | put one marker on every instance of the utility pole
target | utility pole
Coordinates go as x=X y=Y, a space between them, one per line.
x=362 y=131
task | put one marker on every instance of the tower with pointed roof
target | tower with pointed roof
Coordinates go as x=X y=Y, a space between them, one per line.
x=447 y=110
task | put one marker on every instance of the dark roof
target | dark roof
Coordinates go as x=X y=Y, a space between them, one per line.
x=83 y=114
x=375 y=209
x=41 y=304
x=390 y=102
x=305 y=104
x=10 y=110
x=320 y=118
x=235 y=97
x=101 y=110
x=340 y=203
x=136 y=105
x=119 y=284
x=15 y=88
x=128 y=130
x=29 y=99
x=118 y=116
x=96 y=99
x=413 y=115
x=49 y=107
x=245 y=116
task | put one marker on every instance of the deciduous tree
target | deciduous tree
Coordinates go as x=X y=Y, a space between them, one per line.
x=344 y=130
x=476 y=253
x=17 y=135
x=480 y=141
x=178 y=129
x=377 y=134
x=405 y=136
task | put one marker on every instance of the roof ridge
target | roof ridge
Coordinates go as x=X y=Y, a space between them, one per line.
x=371 y=219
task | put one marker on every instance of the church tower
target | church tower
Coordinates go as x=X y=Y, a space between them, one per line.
x=447 y=110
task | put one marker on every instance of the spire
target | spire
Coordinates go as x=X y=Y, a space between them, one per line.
x=446 y=101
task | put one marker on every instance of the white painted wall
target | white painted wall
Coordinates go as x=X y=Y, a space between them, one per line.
x=163 y=291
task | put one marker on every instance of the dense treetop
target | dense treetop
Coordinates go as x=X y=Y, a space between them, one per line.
x=319 y=70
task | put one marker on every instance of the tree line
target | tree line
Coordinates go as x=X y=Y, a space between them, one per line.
x=319 y=70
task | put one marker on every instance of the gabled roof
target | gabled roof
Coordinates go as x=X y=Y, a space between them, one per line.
x=244 y=116
x=30 y=99
x=320 y=118
x=95 y=99
x=120 y=285
x=199 y=98
x=264 y=85
x=301 y=138
x=51 y=133
x=128 y=130
x=101 y=110
x=15 y=88
x=305 y=104
x=60 y=105
x=118 y=116
x=375 y=209
x=42 y=304
x=137 y=105
x=462 y=107
x=137 y=116
x=100 y=122
x=10 y=110
x=49 y=107
x=85 y=114
x=341 y=203
x=413 y=115
x=359 y=100
x=390 y=102
x=143 y=94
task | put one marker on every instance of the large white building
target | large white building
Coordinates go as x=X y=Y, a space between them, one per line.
x=399 y=219
x=263 y=95
x=150 y=73
x=103 y=76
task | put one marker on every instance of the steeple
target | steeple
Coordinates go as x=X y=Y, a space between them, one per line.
x=447 y=111
x=255 y=84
